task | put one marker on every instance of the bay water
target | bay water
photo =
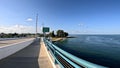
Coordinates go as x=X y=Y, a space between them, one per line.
x=99 y=49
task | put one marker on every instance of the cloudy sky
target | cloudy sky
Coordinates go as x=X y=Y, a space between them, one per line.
x=73 y=16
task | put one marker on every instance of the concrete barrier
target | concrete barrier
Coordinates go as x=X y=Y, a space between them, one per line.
x=13 y=48
x=3 y=39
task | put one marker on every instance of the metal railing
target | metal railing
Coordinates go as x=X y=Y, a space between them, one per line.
x=67 y=60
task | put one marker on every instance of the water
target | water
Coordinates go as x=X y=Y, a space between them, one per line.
x=100 y=49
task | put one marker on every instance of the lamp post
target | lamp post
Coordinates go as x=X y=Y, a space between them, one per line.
x=36 y=25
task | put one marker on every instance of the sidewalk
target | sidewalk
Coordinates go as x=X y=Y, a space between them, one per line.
x=44 y=58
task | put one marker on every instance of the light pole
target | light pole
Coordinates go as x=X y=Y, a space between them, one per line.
x=36 y=24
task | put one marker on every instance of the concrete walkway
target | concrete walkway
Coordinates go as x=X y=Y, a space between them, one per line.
x=44 y=58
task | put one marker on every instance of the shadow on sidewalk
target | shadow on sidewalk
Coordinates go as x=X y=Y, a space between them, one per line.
x=25 y=58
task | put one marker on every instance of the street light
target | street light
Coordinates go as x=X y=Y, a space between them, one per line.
x=36 y=24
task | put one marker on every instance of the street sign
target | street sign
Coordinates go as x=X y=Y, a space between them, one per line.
x=46 y=29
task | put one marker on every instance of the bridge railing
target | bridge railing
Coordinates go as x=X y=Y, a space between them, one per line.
x=65 y=59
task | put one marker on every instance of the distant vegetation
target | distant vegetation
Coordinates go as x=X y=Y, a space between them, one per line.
x=59 y=33
x=17 y=35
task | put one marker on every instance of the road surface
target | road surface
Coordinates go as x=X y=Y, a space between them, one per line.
x=25 y=58
x=8 y=42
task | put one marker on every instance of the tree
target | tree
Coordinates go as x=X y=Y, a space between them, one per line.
x=61 y=33
x=52 y=34
x=15 y=34
x=66 y=34
x=2 y=35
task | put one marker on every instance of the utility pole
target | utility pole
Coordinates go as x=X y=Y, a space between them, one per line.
x=36 y=24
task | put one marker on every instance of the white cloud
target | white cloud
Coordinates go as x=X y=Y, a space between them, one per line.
x=29 y=19
x=18 y=29
x=81 y=24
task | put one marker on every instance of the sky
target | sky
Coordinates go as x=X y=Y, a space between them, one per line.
x=72 y=16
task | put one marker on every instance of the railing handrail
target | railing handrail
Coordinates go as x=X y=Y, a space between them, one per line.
x=75 y=59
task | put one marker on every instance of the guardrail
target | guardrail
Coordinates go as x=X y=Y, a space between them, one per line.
x=65 y=59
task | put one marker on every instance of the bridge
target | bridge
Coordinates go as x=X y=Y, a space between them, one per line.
x=41 y=53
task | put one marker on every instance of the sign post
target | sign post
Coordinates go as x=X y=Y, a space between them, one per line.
x=45 y=29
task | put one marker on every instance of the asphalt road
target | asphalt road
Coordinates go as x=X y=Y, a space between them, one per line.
x=8 y=42
x=25 y=58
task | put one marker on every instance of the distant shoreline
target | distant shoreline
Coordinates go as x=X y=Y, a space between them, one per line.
x=71 y=37
x=55 y=39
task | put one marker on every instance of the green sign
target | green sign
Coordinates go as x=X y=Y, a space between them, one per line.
x=46 y=29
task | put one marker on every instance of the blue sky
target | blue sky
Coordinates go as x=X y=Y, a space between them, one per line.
x=73 y=16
